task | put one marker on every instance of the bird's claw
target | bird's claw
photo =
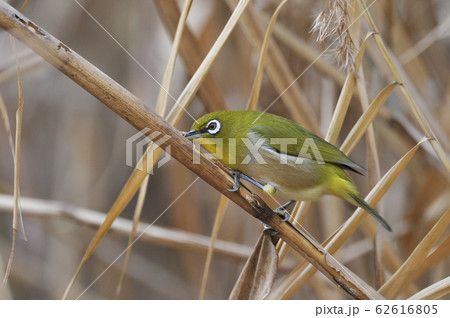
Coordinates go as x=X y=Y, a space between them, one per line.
x=237 y=183
x=272 y=231
x=282 y=212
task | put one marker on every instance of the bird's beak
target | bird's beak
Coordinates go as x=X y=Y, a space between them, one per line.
x=192 y=134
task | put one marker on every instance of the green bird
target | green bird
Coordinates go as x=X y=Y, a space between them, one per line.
x=278 y=155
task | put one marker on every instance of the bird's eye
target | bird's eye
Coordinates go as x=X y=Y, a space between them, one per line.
x=213 y=127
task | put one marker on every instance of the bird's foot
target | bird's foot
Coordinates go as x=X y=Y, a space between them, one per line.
x=282 y=212
x=237 y=183
x=272 y=231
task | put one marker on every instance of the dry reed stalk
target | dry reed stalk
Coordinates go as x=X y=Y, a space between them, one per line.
x=415 y=110
x=190 y=51
x=6 y=124
x=131 y=237
x=256 y=88
x=435 y=291
x=161 y=103
x=220 y=212
x=424 y=43
x=166 y=237
x=170 y=238
x=403 y=275
x=17 y=216
x=434 y=258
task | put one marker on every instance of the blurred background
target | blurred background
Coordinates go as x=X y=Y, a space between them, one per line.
x=73 y=147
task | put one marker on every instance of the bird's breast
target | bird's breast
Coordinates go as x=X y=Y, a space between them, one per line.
x=294 y=178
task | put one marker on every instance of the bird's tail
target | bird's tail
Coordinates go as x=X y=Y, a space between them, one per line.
x=343 y=187
x=359 y=201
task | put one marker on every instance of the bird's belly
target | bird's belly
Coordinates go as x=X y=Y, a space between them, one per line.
x=305 y=181
x=301 y=194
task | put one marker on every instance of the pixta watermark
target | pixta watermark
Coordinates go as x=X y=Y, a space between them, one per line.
x=137 y=145
x=256 y=150
x=261 y=151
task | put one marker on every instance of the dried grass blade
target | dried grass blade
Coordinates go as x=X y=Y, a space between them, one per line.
x=425 y=42
x=416 y=111
x=17 y=216
x=191 y=88
x=374 y=171
x=125 y=196
x=435 y=291
x=191 y=54
x=366 y=119
x=161 y=103
x=345 y=97
x=220 y=212
x=328 y=265
x=362 y=48
x=166 y=237
x=299 y=276
x=406 y=272
x=254 y=95
x=24 y=5
x=5 y=289
x=420 y=103
x=5 y=118
x=131 y=237
x=294 y=276
x=437 y=256
x=341 y=108
x=258 y=274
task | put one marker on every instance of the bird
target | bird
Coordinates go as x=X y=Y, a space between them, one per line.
x=279 y=156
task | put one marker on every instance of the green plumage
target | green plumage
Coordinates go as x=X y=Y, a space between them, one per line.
x=278 y=152
x=277 y=128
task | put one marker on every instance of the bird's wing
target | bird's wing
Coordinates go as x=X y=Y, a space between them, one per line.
x=299 y=142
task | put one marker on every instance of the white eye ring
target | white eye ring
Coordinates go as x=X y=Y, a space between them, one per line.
x=213 y=126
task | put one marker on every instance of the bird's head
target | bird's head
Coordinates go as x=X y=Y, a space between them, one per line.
x=212 y=125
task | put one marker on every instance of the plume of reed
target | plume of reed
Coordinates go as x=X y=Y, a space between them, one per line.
x=333 y=23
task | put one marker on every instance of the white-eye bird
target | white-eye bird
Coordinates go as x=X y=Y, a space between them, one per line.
x=280 y=155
